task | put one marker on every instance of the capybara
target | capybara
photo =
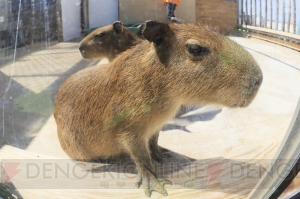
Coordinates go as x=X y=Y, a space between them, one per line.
x=102 y=112
x=108 y=42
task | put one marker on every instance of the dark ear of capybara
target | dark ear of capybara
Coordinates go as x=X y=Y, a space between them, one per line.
x=118 y=27
x=155 y=31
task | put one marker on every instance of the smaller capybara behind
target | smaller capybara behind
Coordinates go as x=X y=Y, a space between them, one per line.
x=102 y=112
x=108 y=42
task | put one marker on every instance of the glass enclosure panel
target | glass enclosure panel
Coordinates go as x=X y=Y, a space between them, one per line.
x=98 y=97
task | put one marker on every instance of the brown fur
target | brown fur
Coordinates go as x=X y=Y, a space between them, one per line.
x=108 y=41
x=102 y=112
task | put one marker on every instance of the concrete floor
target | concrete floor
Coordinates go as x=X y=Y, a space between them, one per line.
x=205 y=135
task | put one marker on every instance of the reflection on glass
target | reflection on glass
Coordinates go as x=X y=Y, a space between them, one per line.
x=213 y=151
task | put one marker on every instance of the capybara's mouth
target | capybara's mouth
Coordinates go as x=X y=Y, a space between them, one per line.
x=249 y=98
x=240 y=105
x=243 y=104
x=253 y=88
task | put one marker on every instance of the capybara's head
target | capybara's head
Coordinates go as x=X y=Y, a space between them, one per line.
x=107 y=42
x=206 y=66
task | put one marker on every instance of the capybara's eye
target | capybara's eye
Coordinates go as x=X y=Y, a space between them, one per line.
x=197 y=50
x=100 y=34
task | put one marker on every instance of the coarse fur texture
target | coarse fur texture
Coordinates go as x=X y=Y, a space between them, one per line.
x=105 y=111
x=108 y=42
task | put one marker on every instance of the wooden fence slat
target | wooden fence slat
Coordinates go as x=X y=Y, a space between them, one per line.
x=271 y=14
x=251 y=12
x=283 y=15
x=266 y=14
x=289 y=16
x=295 y=23
x=260 y=14
x=255 y=13
x=277 y=13
x=246 y=12
x=242 y=7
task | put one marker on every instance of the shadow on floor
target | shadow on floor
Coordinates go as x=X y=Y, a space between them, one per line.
x=23 y=112
x=216 y=174
x=7 y=55
x=191 y=114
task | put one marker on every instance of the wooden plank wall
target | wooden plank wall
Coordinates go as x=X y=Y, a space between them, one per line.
x=133 y=11
x=218 y=13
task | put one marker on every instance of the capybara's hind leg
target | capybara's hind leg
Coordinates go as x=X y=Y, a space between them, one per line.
x=138 y=149
x=157 y=152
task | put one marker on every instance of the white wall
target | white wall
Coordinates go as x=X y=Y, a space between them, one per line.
x=70 y=19
x=102 y=12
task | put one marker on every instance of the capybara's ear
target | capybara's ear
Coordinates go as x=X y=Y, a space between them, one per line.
x=118 y=26
x=155 y=31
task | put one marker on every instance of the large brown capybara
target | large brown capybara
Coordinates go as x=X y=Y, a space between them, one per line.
x=108 y=42
x=102 y=112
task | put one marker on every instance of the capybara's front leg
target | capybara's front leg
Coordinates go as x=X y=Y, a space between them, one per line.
x=138 y=149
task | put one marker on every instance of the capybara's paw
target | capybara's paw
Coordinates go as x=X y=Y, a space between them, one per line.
x=151 y=183
x=157 y=185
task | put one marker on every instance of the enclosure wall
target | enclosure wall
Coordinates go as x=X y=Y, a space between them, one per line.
x=102 y=12
x=218 y=13
x=132 y=11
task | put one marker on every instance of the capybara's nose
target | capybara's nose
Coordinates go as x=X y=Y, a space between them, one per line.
x=258 y=77
x=258 y=82
x=255 y=83
x=80 y=48
x=82 y=51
